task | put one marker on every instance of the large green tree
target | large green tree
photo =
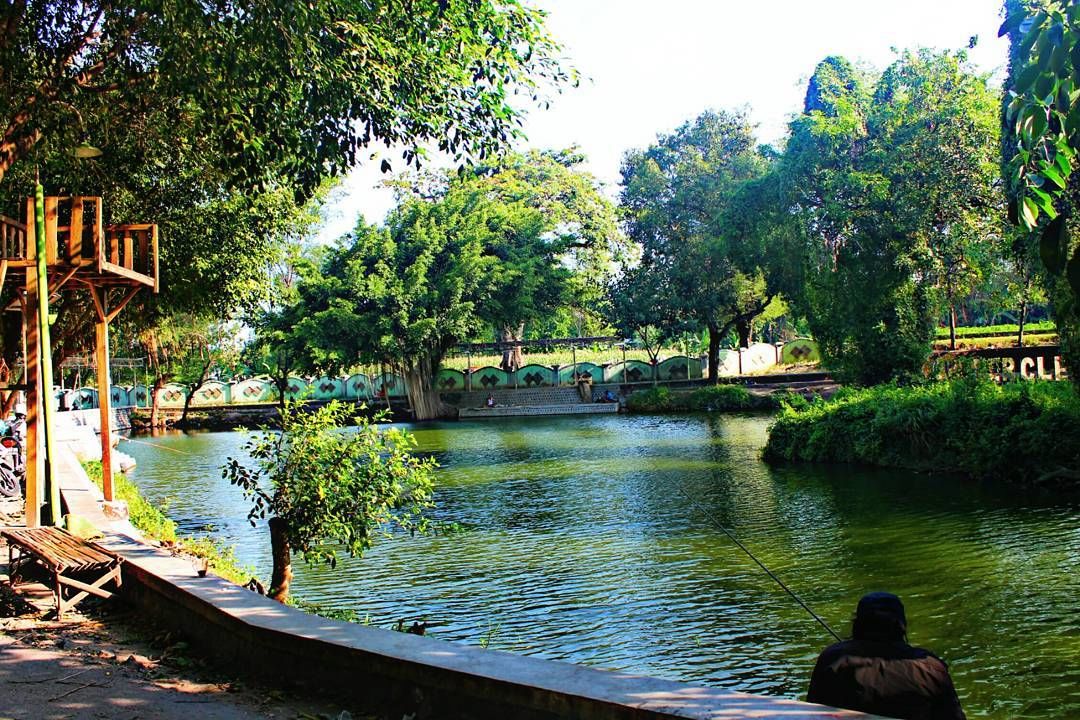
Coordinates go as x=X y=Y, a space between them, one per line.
x=490 y=246
x=275 y=88
x=219 y=121
x=891 y=180
x=677 y=197
x=558 y=243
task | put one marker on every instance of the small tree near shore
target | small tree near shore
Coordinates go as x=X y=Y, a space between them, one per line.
x=326 y=489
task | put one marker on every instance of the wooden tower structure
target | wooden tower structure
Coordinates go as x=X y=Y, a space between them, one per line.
x=111 y=263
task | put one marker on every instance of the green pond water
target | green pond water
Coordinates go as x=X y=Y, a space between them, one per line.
x=579 y=545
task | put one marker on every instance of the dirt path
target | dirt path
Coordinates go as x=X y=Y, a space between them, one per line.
x=109 y=664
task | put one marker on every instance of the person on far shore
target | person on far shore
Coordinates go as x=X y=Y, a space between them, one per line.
x=877 y=672
x=490 y=402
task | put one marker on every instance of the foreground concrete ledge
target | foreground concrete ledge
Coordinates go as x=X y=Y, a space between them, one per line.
x=247 y=633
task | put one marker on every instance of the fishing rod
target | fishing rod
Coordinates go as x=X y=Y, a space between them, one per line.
x=159 y=447
x=711 y=517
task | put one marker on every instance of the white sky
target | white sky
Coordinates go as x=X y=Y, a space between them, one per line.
x=649 y=65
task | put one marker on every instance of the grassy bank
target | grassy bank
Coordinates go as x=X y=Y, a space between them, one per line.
x=152 y=522
x=715 y=398
x=1024 y=432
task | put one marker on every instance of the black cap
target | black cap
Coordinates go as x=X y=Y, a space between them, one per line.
x=880 y=615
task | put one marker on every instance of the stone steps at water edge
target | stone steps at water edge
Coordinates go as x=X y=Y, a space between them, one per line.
x=522 y=397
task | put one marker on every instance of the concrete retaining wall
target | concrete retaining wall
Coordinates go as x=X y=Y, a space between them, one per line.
x=249 y=634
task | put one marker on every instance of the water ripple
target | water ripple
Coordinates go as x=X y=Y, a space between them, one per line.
x=580 y=545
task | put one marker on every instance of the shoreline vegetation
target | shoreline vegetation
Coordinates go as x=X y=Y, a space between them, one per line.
x=714 y=398
x=1026 y=432
x=153 y=522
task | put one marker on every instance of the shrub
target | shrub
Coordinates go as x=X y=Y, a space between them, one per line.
x=713 y=398
x=1022 y=432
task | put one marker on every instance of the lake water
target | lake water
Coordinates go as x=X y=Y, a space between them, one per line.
x=579 y=543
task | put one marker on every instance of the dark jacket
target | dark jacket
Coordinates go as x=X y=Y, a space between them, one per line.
x=892 y=679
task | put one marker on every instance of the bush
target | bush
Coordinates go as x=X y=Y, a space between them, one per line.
x=152 y=522
x=714 y=398
x=1021 y=432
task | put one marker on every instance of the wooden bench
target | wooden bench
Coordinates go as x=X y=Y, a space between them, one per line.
x=63 y=555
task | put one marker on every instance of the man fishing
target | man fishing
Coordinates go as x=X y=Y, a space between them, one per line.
x=878 y=672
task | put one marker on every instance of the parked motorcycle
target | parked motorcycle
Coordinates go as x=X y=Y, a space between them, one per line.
x=13 y=458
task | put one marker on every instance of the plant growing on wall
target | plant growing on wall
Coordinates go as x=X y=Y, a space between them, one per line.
x=324 y=490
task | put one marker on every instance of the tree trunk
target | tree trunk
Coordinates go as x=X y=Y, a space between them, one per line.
x=952 y=326
x=512 y=357
x=425 y=401
x=155 y=406
x=192 y=389
x=282 y=557
x=745 y=330
x=1023 y=318
x=714 y=354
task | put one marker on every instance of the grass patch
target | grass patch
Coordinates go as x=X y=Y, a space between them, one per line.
x=1046 y=326
x=152 y=522
x=1023 y=432
x=149 y=519
x=714 y=398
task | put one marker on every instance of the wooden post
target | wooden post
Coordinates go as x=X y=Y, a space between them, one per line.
x=101 y=356
x=35 y=457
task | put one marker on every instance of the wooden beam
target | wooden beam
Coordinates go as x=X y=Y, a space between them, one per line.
x=51 y=209
x=154 y=243
x=55 y=287
x=74 y=248
x=111 y=315
x=31 y=233
x=99 y=300
x=108 y=267
x=3 y=273
x=101 y=353
x=35 y=438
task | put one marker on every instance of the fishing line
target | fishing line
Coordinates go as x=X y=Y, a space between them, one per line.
x=711 y=517
x=159 y=447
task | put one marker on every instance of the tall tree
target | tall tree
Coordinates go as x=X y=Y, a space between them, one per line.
x=558 y=243
x=871 y=172
x=675 y=197
x=493 y=246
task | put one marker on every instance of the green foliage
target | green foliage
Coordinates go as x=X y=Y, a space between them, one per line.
x=715 y=398
x=891 y=182
x=678 y=197
x=492 y=246
x=281 y=89
x=218 y=122
x=148 y=518
x=1042 y=126
x=970 y=426
x=333 y=488
x=1007 y=329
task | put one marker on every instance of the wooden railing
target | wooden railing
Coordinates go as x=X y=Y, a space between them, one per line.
x=12 y=238
x=77 y=241
x=130 y=251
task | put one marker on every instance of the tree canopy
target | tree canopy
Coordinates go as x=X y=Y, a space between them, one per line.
x=490 y=246
x=678 y=197
x=271 y=88
x=892 y=181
